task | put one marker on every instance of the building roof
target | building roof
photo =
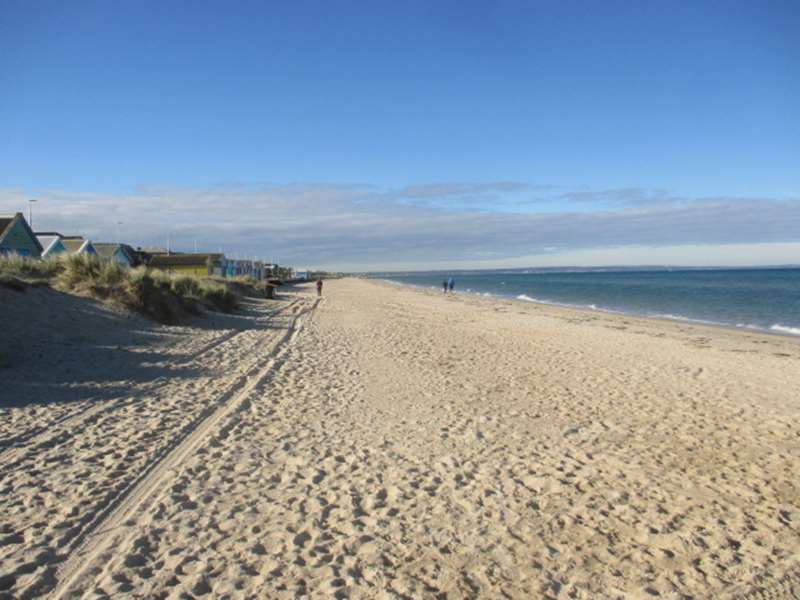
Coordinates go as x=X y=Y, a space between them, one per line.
x=183 y=260
x=74 y=245
x=109 y=249
x=47 y=241
x=8 y=221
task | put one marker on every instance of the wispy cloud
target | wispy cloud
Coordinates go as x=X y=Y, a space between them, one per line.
x=619 y=196
x=360 y=226
x=485 y=196
x=443 y=190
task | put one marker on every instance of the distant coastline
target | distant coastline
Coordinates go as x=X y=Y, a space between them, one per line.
x=607 y=269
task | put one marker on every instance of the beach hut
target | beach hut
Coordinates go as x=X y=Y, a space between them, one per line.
x=51 y=244
x=199 y=265
x=17 y=238
x=77 y=245
x=121 y=254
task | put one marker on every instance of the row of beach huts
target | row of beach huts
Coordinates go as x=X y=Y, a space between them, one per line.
x=17 y=238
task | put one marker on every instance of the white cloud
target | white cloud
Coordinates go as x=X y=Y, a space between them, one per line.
x=360 y=227
x=687 y=255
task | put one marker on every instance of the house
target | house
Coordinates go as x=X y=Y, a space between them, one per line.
x=51 y=244
x=244 y=268
x=235 y=267
x=16 y=237
x=120 y=253
x=200 y=265
x=77 y=245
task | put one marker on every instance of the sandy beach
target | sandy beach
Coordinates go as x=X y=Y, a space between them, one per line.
x=387 y=442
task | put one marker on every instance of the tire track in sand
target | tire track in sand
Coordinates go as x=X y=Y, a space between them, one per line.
x=110 y=526
x=92 y=467
x=19 y=447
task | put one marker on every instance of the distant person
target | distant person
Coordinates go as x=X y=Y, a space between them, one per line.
x=444 y=286
x=319 y=286
x=451 y=284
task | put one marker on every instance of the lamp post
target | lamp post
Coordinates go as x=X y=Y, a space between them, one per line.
x=118 y=223
x=30 y=212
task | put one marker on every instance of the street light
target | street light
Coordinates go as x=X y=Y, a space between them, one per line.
x=118 y=223
x=30 y=212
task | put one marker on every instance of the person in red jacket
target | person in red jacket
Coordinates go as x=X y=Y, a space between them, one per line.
x=319 y=286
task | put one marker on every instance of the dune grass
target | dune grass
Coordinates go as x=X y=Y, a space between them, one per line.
x=157 y=294
x=31 y=271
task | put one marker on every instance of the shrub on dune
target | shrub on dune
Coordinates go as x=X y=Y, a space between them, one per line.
x=157 y=294
x=186 y=286
x=220 y=297
x=86 y=273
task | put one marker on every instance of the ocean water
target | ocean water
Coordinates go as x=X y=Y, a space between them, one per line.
x=762 y=299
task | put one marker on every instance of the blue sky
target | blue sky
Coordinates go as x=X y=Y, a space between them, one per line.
x=396 y=111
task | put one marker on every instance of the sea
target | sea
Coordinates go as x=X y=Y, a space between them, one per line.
x=765 y=299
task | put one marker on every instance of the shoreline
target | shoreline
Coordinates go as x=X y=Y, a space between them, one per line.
x=609 y=311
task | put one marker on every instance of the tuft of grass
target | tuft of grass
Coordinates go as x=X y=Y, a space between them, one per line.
x=28 y=269
x=220 y=297
x=193 y=291
x=86 y=273
x=154 y=293
x=151 y=294
x=242 y=285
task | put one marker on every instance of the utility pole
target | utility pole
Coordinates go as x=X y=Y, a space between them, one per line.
x=30 y=212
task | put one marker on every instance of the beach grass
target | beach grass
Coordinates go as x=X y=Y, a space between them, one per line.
x=22 y=268
x=156 y=294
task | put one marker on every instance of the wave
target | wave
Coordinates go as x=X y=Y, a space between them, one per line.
x=527 y=298
x=784 y=329
x=672 y=317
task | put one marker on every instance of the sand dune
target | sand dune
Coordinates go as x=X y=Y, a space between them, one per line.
x=394 y=443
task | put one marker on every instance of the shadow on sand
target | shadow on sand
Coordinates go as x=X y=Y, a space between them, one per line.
x=56 y=347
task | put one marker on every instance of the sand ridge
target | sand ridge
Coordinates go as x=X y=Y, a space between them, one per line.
x=414 y=445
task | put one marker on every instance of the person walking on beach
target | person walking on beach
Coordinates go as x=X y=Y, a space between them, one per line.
x=319 y=286
x=444 y=286
x=451 y=284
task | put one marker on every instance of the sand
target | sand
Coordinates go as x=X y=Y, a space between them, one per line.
x=384 y=442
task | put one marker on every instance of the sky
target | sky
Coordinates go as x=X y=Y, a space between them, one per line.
x=409 y=135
